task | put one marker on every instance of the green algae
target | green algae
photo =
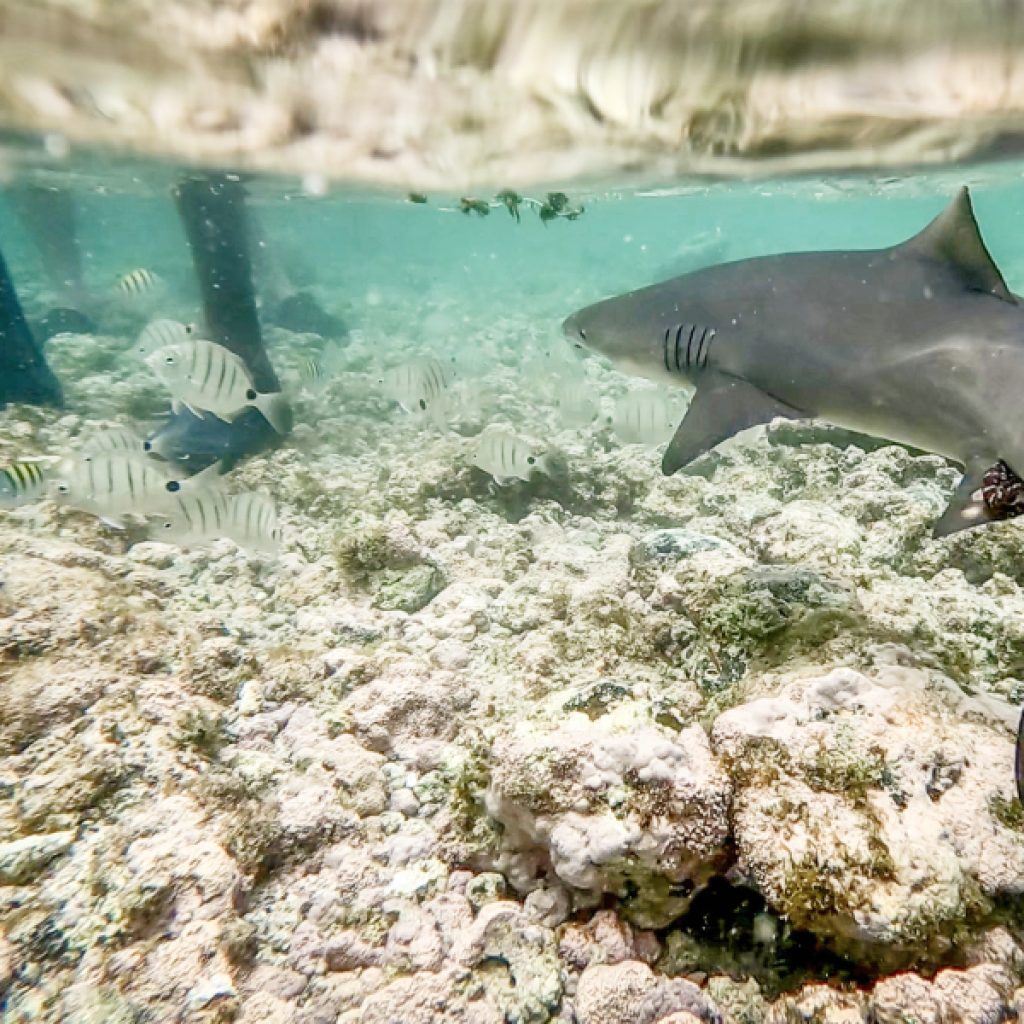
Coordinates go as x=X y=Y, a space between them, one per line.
x=1009 y=813
x=407 y=590
x=201 y=731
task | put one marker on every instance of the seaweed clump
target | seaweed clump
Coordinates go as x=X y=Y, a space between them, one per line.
x=389 y=564
x=554 y=205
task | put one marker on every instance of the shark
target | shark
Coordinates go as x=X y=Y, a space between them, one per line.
x=920 y=343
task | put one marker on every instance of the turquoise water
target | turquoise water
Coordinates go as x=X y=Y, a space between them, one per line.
x=359 y=244
x=421 y=617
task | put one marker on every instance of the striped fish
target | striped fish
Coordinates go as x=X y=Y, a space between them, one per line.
x=506 y=456
x=22 y=483
x=644 y=417
x=113 y=485
x=194 y=518
x=418 y=385
x=206 y=377
x=137 y=282
x=576 y=403
x=161 y=333
x=112 y=441
x=312 y=372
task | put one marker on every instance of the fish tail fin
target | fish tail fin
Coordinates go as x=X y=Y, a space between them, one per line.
x=276 y=410
x=547 y=464
x=439 y=413
x=205 y=479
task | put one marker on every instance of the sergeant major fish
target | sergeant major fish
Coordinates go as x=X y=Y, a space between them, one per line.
x=111 y=441
x=644 y=416
x=204 y=376
x=111 y=486
x=137 y=282
x=162 y=333
x=22 y=483
x=192 y=518
x=506 y=456
x=576 y=403
x=418 y=385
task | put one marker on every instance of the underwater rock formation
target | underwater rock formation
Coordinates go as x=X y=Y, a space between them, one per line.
x=615 y=805
x=881 y=835
x=758 y=709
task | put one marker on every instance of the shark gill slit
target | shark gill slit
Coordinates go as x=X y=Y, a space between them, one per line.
x=700 y=345
x=679 y=335
x=689 y=346
x=707 y=335
x=664 y=346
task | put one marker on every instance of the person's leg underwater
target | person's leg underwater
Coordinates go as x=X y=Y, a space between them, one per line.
x=24 y=373
x=212 y=210
x=49 y=217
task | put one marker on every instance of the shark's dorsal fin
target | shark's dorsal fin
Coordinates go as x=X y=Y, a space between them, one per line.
x=953 y=238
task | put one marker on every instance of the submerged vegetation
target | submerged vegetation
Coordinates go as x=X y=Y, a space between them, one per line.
x=553 y=206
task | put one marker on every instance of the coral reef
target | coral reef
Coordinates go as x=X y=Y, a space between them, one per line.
x=602 y=747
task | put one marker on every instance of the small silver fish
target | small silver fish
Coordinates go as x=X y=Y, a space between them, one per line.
x=206 y=377
x=112 y=441
x=312 y=369
x=644 y=417
x=202 y=516
x=162 y=333
x=22 y=483
x=506 y=456
x=418 y=385
x=317 y=371
x=576 y=403
x=113 y=485
x=137 y=282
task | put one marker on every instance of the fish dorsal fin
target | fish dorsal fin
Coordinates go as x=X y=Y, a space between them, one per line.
x=954 y=239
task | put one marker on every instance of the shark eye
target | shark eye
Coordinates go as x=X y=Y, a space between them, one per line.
x=63 y=489
x=583 y=334
x=169 y=360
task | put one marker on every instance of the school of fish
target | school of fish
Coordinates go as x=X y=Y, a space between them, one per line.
x=117 y=476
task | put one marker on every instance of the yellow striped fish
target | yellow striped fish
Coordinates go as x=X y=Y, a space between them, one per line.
x=194 y=518
x=137 y=282
x=22 y=483
x=206 y=377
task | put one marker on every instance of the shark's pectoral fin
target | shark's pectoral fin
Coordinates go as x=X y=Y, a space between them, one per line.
x=967 y=507
x=721 y=407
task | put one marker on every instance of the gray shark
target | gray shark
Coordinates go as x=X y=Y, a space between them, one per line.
x=921 y=343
